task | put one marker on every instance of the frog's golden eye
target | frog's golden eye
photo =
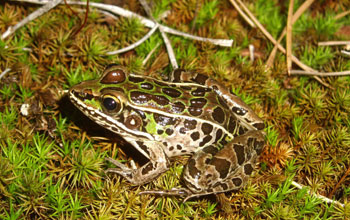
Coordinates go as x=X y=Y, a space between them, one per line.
x=111 y=103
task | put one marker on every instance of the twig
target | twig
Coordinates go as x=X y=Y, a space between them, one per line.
x=245 y=17
x=333 y=43
x=137 y=43
x=343 y=14
x=279 y=46
x=4 y=72
x=347 y=172
x=323 y=198
x=296 y=16
x=166 y=40
x=308 y=73
x=289 y=36
x=49 y=5
x=147 y=22
x=149 y=54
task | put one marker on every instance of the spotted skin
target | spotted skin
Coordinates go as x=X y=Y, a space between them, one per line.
x=189 y=115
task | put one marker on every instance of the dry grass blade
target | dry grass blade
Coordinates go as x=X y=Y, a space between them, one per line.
x=279 y=46
x=301 y=72
x=347 y=172
x=47 y=7
x=289 y=36
x=245 y=17
x=323 y=198
x=333 y=43
x=296 y=15
x=343 y=14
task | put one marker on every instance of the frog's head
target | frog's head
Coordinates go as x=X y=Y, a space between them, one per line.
x=105 y=101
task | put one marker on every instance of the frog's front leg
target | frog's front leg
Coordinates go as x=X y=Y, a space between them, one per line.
x=213 y=171
x=158 y=164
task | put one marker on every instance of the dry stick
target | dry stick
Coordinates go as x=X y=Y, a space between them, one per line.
x=245 y=17
x=296 y=16
x=323 y=198
x=289 y=36
x=343 y=14
x=4 y=72
x=280 y=47
x=347 y=172
x=137 y=43
x=166 y=40
x=302 y=72
x=147 y=22
x=333 y=43
x=47 y=7
x=150 y=54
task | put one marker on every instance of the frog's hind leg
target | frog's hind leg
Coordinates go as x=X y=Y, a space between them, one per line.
x=213 y=171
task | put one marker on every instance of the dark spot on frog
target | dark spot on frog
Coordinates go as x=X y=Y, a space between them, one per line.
x=239 y=149
x=163 y=120
x=248 y=169
x=237 y=181
x=165 y=144
x=221 y=165
x=200 y=91
x=171 y=92
x=195 y=111
x=136 y=79
x=218 y=135
x=200 y=79
x=259 y=126
x=207 y=128
x=195 y=136
x=190 y=124
x=143 y=146
x=169 y=131
x=239 y=111
x=147 y=86
x=142 y=98
x=149 y=167
x=198 y=102
x=218 y=115
x=171 y=148
x=182 y=130
x=178 y=107
x=221 y=186
x=114 y=76
x=179 y=147
x=192 y=169
x=177 y=75
x=205 y=140
x=210 y=150
x=232 y=125
x=159 y=132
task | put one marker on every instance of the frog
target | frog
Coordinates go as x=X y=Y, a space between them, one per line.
x=187 y=114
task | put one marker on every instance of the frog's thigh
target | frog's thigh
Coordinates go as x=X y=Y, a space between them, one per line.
x=212 y=171
x=158 y=164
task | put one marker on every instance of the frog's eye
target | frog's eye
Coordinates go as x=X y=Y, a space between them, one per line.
x=111 y=103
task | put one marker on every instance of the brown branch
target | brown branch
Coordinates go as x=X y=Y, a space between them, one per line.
x=347 y=172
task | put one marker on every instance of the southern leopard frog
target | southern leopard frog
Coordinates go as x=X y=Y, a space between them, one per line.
x=189 y=114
